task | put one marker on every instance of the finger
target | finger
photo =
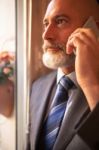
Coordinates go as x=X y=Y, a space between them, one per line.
x=87 y=39
x=88 y=32
x=73 y=44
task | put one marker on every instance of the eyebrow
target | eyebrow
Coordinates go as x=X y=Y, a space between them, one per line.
x=56 y=17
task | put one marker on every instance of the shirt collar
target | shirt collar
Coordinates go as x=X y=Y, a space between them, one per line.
x=72 y=76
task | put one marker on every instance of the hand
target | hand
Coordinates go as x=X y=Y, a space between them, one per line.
x=86 y=44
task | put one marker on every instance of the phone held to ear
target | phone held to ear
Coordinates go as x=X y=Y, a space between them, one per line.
x=90 y=23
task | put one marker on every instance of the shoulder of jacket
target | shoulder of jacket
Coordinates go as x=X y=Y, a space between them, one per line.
x=44 y=78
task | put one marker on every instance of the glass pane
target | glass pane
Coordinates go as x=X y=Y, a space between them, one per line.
x=7 y=78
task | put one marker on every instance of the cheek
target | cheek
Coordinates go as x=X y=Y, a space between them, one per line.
x=64 y=36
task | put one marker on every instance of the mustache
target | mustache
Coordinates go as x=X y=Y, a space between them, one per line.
x=54 y=45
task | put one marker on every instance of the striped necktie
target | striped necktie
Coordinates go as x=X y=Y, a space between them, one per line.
x=55 y=117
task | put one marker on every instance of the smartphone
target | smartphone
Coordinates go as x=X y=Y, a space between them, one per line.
x=90 y=23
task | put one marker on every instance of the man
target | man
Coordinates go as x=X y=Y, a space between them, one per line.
x=63 y=36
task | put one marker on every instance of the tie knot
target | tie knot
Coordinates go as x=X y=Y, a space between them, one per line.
x=66 y=82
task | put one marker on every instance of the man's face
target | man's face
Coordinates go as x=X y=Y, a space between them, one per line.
x=61 y=19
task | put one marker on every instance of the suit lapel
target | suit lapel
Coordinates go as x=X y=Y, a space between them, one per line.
x=71 y=117
x=40 y=107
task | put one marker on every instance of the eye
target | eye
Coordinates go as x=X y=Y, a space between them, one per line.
x=61 y=21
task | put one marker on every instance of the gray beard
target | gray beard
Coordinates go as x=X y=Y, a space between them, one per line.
x=58 y=60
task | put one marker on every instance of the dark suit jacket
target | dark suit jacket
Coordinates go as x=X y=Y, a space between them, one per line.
x=80 y=127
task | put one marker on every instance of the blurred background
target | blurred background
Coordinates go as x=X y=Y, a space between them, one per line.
x=38 y=10
x=7 y=48
x=20 y=64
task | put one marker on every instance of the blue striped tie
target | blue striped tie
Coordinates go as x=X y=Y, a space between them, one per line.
x=54 y=119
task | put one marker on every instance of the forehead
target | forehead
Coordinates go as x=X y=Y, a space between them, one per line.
x=67 y=7
x=58 y=6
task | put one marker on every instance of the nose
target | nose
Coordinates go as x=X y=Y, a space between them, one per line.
x=49 y=33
